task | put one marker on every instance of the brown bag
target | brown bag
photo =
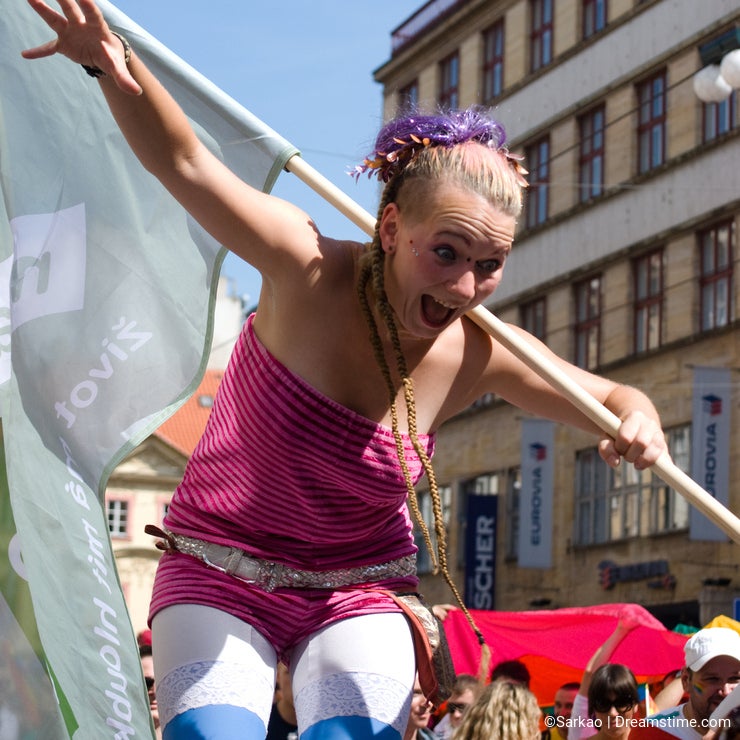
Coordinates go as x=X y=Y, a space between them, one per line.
x=433 y=660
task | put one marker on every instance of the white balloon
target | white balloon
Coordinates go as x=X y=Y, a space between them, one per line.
x=729 y=68
x=710 y=86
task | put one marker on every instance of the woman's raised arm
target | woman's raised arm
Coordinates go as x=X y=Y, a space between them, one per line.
x=269 y=233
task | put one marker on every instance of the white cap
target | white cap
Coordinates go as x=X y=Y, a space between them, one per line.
x=711 y=643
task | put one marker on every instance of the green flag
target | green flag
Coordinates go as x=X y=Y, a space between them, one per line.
x=106 y=297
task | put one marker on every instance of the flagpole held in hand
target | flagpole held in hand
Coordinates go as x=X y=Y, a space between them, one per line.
x=607 y=421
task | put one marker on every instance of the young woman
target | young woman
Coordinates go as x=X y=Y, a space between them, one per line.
x=612 y=701
x=292 y=512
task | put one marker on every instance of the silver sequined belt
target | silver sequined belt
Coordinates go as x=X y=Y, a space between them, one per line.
x=270 y=575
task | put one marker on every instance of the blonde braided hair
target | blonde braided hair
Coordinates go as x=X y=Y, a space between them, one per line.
x=371 y=277
x=412 y=154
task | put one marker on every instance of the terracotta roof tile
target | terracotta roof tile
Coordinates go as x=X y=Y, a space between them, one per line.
x=185 y=427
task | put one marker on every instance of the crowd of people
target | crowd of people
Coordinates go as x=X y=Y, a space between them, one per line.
x=698 y=701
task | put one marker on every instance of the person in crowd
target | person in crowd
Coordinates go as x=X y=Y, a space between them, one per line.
x=580 y=726
x=504 y=711
x=283 y=724
x=668 y=692
x=147 y=669
x=464 y=693
x=511 y=670
x=613 y=701
x=710 y=674
x=419 y=717
x=562 y=708
x=291 y=520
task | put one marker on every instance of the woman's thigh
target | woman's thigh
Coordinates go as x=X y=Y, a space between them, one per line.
x=215 y=675
x=354 y=679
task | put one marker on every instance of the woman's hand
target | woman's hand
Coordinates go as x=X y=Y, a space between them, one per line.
x=639 y=440
x=84 y=37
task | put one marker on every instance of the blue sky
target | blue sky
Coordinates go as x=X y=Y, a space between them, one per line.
x=304 y=67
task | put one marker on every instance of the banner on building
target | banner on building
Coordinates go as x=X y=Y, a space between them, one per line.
x=480 y=551
x=107 y=290
x=535 y=498
x=710 y=445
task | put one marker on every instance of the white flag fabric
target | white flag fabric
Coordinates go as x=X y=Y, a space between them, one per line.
x=106 y=296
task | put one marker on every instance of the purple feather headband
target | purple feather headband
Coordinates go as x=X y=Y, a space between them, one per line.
x=400 y=140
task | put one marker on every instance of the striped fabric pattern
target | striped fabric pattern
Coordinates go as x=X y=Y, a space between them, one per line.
x=287 y=474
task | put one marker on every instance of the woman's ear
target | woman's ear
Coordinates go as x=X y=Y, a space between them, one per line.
x=388 y=230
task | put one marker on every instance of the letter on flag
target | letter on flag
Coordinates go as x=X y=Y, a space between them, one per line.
x=106 y=297
x=535 y=498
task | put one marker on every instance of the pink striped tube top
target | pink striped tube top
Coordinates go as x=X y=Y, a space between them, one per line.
x=289 y=475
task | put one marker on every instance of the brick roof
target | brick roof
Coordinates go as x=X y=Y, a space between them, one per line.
x=185 y=427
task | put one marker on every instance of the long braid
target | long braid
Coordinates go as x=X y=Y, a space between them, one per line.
x=372 y=273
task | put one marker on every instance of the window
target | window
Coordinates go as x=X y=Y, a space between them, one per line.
x=669 y=510
x=493 y=62
x=611 y=504
x=594 y=17
x=591 y=474
x=423 y=559
x=538 y=163
x=615 y=504
x=648 y=282
x=449 y=80
x=719 y=118
x=651 y=123
x=591 y=154
x=588 y=322
x=541 y=34
x=118 y=517
x=716 y=246
x=408 y=96
x=533 y=316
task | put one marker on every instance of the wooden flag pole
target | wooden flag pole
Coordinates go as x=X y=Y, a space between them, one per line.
x=608 y=422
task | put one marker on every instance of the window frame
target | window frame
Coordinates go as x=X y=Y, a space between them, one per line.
x=651 y=122
x=648 y=299
x=541 y=34
x=408 y=96
x=424 y=498
x=492 y=72
x=595 y=14
x=533 y=317
x=537 y=206
x=118 y=511
x=448 y=95
x=587 y=322
x=591 y=153
x=722 y=276
x=613 y=505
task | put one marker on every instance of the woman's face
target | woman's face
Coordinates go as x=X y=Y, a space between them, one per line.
x=443 y=257
x=421 y=709
x=612 y=718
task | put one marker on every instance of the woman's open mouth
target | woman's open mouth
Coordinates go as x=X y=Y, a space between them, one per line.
x=435 y=314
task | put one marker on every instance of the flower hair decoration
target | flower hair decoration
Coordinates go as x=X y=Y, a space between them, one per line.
x=402 y=138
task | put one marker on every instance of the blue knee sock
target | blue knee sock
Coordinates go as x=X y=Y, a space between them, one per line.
x=215 y=722
x=350 y=728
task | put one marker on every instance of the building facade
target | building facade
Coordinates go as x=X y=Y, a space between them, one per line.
x=624 y=263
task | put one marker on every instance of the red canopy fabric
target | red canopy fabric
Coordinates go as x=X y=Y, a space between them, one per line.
x=556 y=644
